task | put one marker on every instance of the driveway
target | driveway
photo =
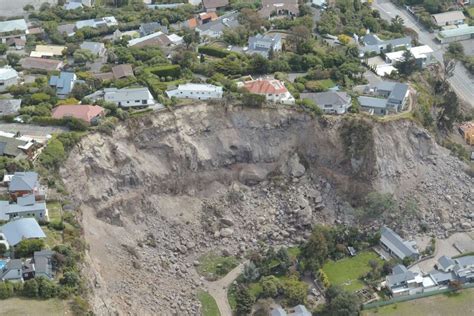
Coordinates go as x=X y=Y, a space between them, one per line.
x=218 y=289
x=461 y=82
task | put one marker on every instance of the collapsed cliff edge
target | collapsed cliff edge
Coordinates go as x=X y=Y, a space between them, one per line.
x=166 y=188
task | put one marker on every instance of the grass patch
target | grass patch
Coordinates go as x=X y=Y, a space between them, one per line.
x=231 y=293
x=294 y=252
x=470 y=11
x=348 y=271
x=213 y=266
x=54 y=211
x=255 y=289
x=53 y=237
x=209 y=305
x=461 y=303
x=28 y=307
x=326 y=83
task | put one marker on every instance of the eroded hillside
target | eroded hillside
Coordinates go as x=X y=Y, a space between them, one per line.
x=164 y=189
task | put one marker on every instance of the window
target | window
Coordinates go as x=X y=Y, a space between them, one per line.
x=143 y=101
x=137 y=101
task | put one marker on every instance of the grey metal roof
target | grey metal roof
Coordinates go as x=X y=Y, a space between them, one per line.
x=299 y=310
x=94 y=47
x=278 y=312
x=9 y=106
x=229 y=20
x=465 y=261
x=399 y=268
x=399 y=278
x=401 y=41
x=440 y=276
x=18 y=209
x=23 y=181
x=28 y=199
x=152 y=27
x=396 y=244
x=4 y=207
x=371 y=39
x=445 y=262
x=335 y=98
x=371 y=102
x=63 y=83
x=23 y=228
x=385 y=85
x=399 y=92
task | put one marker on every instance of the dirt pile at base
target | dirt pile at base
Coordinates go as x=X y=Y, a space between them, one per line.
x=165 y=189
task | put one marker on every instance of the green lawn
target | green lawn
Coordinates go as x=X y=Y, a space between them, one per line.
x=213 y=266
x=346 y=272
x=294 y=252
x=54 y=211
x=27 y=307
x=471 y=12
x=209 y=306
x=461 y=303
x=326 y=83
x=53 y=237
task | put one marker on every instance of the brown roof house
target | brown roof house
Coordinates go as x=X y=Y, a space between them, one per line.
x=87 y=113
x=41 y=63
x=271 y=8
x=213 y=5
x=122 y=71
x=156 y=39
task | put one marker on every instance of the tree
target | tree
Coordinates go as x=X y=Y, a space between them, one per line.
x=190 y=37
x=30 y=288
x=449 y=65
x=80 y=90
x=6 y=290
x=270 y=286
x=253 y=100
x=70 y=279
x=81 y=56
x=3 y=48
x=343 y=304
x=27 y=247
x=408 y=65
x=250 y=272
x=295 y=292
x=46 y=288
x=298 y=38
x=53 y=154
x=315 y=251
x=449 y=111
x=396 y=25
x=3 y=250
x=244 y=301
x=13 y=59
x=259 y=64
x=456 y=50
x=455 y=285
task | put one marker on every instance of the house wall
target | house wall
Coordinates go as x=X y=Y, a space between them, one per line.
x=4 y=84
x=198 y=95
x=39 y=215
x=13 y=275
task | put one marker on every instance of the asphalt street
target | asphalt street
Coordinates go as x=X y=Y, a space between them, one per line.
x=461 y=82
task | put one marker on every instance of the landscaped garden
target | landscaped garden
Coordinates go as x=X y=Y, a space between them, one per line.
x=348 y=271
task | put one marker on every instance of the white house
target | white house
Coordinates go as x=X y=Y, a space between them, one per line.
x=423 y=55
x=448 y=18
x=126 y=98
x=8 y=77
x=12 y=29
x=96 y=23
x=196 y=91
x=263 y=44
x=273 y=90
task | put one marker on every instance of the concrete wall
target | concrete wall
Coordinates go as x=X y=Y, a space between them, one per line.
x=15 y=8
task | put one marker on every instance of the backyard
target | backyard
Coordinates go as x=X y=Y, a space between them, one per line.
x=27 y=307
x=348 y=271
x=461 y=303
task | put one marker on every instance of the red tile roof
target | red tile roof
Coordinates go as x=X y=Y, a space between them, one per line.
x=263 y=86
x=79 y=111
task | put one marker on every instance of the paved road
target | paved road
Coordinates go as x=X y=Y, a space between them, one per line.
x=218 y=289
x=462 y=83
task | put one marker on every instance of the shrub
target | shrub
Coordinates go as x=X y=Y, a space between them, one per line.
x=167 y=71
x=6 y=290
x=213 y=51
x=30 y=288
x=27 y=247
x=46 y=288
x=70 y=279
x=53 y=154
x=253 y=100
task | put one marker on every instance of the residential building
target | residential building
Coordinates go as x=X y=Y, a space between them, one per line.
x=448 y=18
x=8 y=77
x=216 y=27
x=213 y=5
x=396 y=246
x=76 y=4
x=460 y=33
x=467 y=132
x=25 y=183
x=9 y=106
x=196 y=91
x=332 y=102
x=374 y=45
x=26 y=206
x=152 y=27
x=126 y=98
x=90 y=114
x=446 y=264
x=41 y=64
x=13 y=147
x=389 y=97
x=122 y=71
x=96 y=48
x=155 y=39
x=404 y=282
x=43 y=263
x=273 y=90
x=12 y=271
x=200 y=19
x=20 y=229
x=64 y=83
x=107 y=21
x=163 y=6
x=13 y=29
x=299 y=310
x=47 y=51
x=264 y=44
x=67 y=29
x=422 y=54
x=18 y=43
x=271 y=8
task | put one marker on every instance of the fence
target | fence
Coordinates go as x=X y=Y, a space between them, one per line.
x=412 y=297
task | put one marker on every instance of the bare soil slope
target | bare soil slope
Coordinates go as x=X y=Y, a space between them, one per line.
x=164 y=189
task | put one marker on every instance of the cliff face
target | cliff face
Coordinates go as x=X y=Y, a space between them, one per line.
x=164 y=189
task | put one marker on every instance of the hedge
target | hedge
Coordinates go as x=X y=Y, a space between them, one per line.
x=213 y=51
x=173 y=71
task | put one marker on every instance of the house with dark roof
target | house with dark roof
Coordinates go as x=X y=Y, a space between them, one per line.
x=332 y=102
x=396 y=246
x=64 y=83
x=12 y=271
x=445 y=264
x=213 y=5
x=13 y=147
x=43 y=263
x=122 y=71
x=264 y=44
x=90 y=114
x=20 y=229
x=41 y=64
x=152 y=27
x=373 y=44
x=216 y=27
x=387 y=97
x=9 y=106
x=404 y=282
